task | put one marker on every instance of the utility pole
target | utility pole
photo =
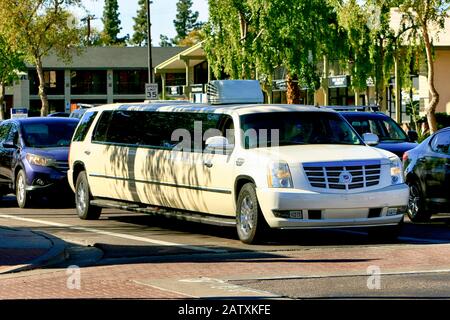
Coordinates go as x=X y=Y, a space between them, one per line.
x=149 y=43
x=88 y=20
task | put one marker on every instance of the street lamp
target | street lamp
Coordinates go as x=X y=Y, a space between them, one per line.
x=149 y=43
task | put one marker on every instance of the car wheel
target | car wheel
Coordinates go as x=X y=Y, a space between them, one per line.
x=250 y=222
x=83 y=197
x=22 y=195
x=416 y=208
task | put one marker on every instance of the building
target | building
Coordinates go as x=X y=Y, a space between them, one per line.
x=97 y=75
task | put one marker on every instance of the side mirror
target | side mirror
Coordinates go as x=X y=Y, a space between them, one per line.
x=218 y=144
x=370 y=139
x=413 y=136
x=9 y=145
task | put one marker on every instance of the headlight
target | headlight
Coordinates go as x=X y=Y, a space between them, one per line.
x=39 y=160
x=396 y=170
x=279 y=176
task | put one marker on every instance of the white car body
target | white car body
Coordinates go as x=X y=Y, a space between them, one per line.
x=181 y=180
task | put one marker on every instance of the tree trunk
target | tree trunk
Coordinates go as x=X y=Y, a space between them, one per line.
x=293 y=91
x=434 y=95
x=42 y=94
x=2 y=99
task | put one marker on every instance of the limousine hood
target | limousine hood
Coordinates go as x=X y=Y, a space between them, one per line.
x=325 y=153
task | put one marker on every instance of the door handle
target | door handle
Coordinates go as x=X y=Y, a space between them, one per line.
x=87 y=152
x=208 y=164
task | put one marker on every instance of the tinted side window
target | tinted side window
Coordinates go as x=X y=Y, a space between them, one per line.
x=102 y=127
x=126 y=127
x=4 y=131
x=156 y=129
x=441 y=143
x=84 y=125
x=13 y=136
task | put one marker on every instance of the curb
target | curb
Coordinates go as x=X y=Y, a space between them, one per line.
x=55 y=255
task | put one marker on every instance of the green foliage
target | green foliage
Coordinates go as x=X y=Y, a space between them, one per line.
x=185 y=21
x=140 y=25
x=251 y=38
x=111 y=24
x=11 y=62
x=37 y=28
x=164 y=41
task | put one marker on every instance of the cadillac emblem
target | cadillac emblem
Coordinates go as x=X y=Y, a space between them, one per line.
x=345 y=177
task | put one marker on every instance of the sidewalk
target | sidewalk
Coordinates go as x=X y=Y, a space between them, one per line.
x=23 y=249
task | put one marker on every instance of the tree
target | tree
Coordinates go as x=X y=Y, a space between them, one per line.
x=185 y=20
x=11 y=62
x=37 y=28
x=429 y=16
x=249 y=39
x=140 y=25
x=164 y=41
x=111 y=24
x=193 y=37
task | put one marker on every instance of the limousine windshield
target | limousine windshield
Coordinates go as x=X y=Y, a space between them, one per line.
x=297 y=128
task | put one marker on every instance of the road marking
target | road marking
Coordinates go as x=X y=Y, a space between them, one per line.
x=337 y=275
x=437 y=241
x=114 y=234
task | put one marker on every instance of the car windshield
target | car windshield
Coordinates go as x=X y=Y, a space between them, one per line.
x=48 y=135
x=296 y=128
x=385 y=128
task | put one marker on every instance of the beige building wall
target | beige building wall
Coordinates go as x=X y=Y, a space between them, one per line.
x=442 y=79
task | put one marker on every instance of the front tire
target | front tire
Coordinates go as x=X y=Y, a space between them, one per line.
x=83 y=198
x=250 y=222
x=22 y=195
x=416 y=204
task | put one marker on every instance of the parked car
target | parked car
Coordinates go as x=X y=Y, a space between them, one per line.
x=214 y=164
x=33 y=156
x=391 y=136
x=427 y=172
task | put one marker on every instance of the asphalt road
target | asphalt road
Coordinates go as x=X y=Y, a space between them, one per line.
x=313 y=263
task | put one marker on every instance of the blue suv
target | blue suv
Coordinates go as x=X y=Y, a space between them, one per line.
x=391 y=136
x=34 y=157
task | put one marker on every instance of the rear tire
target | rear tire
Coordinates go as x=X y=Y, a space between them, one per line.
x=250 y=223
x=22 y=195
x=416 y=204
x=83 y=198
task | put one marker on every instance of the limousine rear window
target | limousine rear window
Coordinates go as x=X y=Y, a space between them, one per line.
x=154 y=129
x=84 y=125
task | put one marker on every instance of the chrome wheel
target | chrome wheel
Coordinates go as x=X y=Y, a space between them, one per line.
x=21 y=189
x=81 y=197
x=247 y=216
x=414 y=201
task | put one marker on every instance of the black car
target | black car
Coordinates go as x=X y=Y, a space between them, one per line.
x=34 y=157
x=391 y=135
x=427 y=172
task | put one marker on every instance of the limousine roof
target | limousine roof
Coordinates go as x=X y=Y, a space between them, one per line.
x=206 y=108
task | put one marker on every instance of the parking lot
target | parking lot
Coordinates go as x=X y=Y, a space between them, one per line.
x=133 y=255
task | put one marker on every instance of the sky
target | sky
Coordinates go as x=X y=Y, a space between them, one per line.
x=162 y=15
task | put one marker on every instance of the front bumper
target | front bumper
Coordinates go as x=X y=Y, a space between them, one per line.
x=334 y=210
x=47 y=180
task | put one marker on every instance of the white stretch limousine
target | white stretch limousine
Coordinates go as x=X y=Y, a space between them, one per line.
x=255 y=166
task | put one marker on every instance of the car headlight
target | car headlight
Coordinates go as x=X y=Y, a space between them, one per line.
x=36 y=160
x=396 y=170
x=279 y=175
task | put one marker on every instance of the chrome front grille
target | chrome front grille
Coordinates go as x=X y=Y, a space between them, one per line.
x=343 y=175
